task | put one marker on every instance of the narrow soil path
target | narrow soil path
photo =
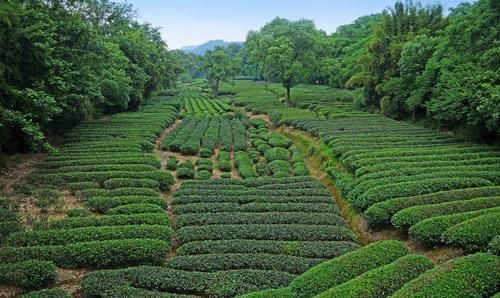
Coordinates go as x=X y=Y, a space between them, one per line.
x=317 y=161
x=168 y=195
x=17 y=168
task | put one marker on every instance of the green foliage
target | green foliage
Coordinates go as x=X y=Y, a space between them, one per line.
x=96 y=254
x=47 y=293
x=220 y=67
x=382 y=281
x=341 y=269
x=28 y=274
x=64 y=64
x=283 y=49
x=470 y=276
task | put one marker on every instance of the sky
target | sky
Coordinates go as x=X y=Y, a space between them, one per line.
x=193 y=22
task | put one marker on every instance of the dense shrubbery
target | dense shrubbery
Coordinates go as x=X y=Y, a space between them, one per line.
x=341 y=269
x=28 y=274
x=470 y=276
x=96 y=254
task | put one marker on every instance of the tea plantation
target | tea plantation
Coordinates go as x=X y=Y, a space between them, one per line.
x=193 y=196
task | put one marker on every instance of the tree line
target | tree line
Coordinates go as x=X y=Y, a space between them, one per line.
x=413 y=62
x=66 y=61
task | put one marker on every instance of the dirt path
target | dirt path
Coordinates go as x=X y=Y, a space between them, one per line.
x=316 y=162
x=168 y=195
x=18 y=167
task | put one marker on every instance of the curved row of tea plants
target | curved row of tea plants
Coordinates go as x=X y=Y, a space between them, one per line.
x=387 y=269
x=122 y=222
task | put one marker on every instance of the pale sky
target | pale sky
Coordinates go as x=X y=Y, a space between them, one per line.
x=192 y=22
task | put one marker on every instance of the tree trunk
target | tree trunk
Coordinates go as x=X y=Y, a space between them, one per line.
x=216 y=88
x=288 y=99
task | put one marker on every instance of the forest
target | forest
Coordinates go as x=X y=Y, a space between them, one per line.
x=363 y=163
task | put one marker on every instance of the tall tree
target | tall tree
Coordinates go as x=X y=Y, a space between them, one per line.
x=220 y=67
x=283 y=49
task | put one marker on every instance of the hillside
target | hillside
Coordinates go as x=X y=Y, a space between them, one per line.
x=209 y=45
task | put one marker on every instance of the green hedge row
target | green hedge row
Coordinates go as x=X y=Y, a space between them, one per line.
x=382 y=281
x=475 y=233
x=105 y=220
x=32 y=274
x=124 y=160
x=96 y=254
x=224 y=284
x=256 y=207
x=164 y=179
x=87 y=234
x=406 y=218
x=346 y=267
x=381 y=213
x=264 y=232
x=429 y=231
x=103 y=204
x=136 y=208
x=126 y=191
x=405 y=189
x=308 y=249
x=470 y=276
x=194 y=219
x=232 y=261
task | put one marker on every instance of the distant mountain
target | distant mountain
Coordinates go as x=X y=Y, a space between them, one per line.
x=209 y=45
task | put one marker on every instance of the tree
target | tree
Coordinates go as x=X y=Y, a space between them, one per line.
x=220 y=67
x=283 y=49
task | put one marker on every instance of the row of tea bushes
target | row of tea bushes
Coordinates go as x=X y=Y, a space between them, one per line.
x=195 y=136
x=108 y=166
x=204 y=107
x=387 y=269
x=237 y=236
x=217 y=234
x=392 y=166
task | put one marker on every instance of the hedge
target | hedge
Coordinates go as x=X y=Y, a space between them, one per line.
x=494 y=245
x=382 y=281
x=195 y=219
x=105 y=220
x=381 y=213
x=269 y=293
x=128 y=182
x=225 y=165
x=136 y=208
x=475 y=233
x=48 y=293
x=205 y=152
x=172 y=163
x=217 y=284
x=341 y=269
x=32 y=274
x=264 y=232
x=86 y=234
x=470 y=276
x=103 y=204
x=203 y=175
x=95 y=254
x=429 y=231
x=390 y=191
x=410 y=216
x=256 y=207
x=278 y=166
x=276 y=153
x=185 y=173
x=308 y=249
x=126 y=191
x=232 y=261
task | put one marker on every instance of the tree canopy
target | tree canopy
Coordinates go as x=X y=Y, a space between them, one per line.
x=63 y=62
